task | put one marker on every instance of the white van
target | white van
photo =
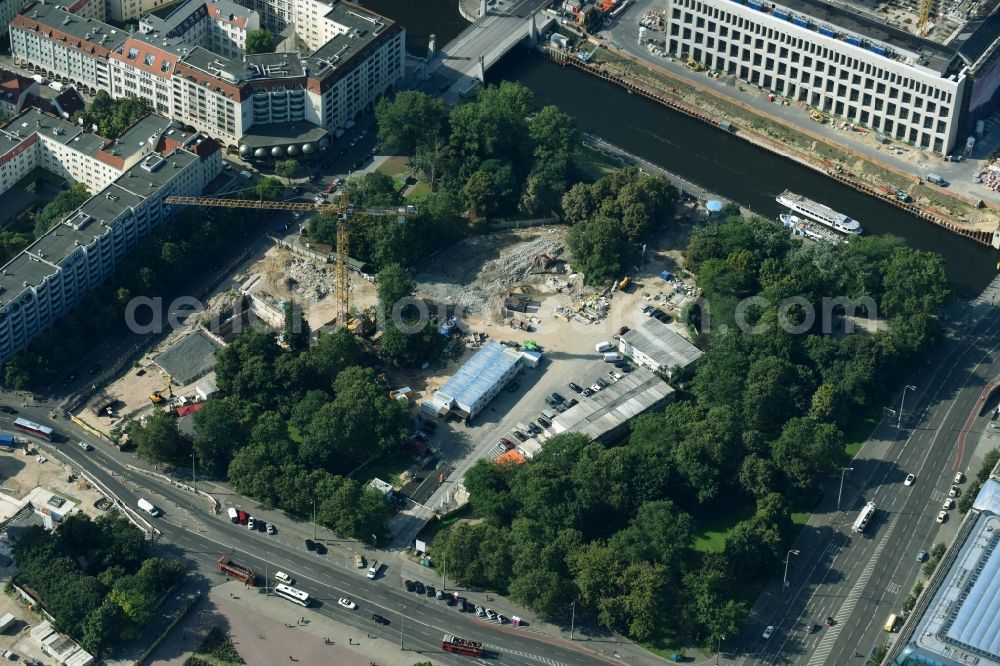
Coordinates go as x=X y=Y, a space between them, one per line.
x=148 y=507
x=611 y=357
x=525 y=429
x=282 y=577
x=603 y=347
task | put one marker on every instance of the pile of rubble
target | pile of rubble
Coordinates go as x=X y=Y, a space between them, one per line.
x=591 y=308
x=309 y=280
x=477 y=289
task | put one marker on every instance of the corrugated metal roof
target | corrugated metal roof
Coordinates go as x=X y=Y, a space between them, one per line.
x=662 y=344
x=478 y=375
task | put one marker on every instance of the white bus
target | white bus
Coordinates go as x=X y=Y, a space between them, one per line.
x=295 y=596
x=862 y=520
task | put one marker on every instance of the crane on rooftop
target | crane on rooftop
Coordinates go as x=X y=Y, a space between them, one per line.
x=343 y=211
x=924 y=18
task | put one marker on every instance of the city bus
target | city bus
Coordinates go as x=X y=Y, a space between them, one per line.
x=32 y=428
x=454 y=644
x=295 y=596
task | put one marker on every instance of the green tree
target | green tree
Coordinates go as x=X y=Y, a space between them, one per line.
x=990 y=461
x=101 y=628
x=295 y=331
x=374 y=189
x=410 y=121
x=156 y=440
x=268 y=188
x=111 y=116
x=220 y=430
x=915 y=282
x=56 y=210
x=599 y=249
x=11 y=243
x=259 y=41
x=490 y=189
x=286 y=169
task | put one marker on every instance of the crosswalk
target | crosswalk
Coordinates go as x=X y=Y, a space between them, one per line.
x=527 y=655
x=825 y=645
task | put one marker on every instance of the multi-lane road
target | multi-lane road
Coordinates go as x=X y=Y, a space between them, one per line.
x=190 y=528
x=859 y=579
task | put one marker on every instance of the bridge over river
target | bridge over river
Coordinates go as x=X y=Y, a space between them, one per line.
x=459 y=67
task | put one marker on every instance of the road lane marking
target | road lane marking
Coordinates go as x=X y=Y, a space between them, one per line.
x=826 y=643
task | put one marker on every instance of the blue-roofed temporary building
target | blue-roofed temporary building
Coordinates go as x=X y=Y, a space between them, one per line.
x=479 y=380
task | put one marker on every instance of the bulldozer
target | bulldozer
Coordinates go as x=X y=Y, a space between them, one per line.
x=693 y=65
x=817 y=116
x=363 y=323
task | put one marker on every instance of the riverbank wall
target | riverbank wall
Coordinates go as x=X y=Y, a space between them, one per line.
x=982 y=237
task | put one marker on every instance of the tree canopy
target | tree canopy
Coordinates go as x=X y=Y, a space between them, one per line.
x=113 y=116
x=259 y=41
x=62 y=205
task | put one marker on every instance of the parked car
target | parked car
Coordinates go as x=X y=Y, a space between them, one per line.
x=320 y=549
x=506 y=443
x=408 y=584
x=558 y=398
x=270 y=528
x=550 y=402
x=520 y=435
x=603 y=383
x=502 y=619
x=623 y=330
x=575 y=387
x=480 y=611
x=572 y=402
x=430 y=591
x=949 y=504
x=491 y=614
x=959 y=478
x=310 y=545
x=439 y=595
x=251 y=524
x=955 y=492
x=586 y=393
x=418 y=587
x=922 y=556
x=942 y=516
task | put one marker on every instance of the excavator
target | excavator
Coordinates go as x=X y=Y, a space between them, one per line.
x=156 y=397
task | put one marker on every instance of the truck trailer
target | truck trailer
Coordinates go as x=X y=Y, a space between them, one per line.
x=237 y=571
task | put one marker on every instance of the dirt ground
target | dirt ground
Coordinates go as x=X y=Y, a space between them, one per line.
x=16 y=638
x=22 y=473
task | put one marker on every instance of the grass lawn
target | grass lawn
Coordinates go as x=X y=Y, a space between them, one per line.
x=661 y=649
x=714 y=531
x=593 y=163
x=395 y=166
x=435 y=526
x=419 y=191
x=388 y=468
x=859 y=430
x=294 y=434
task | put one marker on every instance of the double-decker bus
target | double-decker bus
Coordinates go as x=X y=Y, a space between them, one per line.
x=861 y=522
x=32 y=428
x=295 y=596
x=463 y=646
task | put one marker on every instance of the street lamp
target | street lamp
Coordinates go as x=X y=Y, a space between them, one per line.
x=194 y=479
x=401 y=615
x=787 y=557
x=899 y=420
x=572 y=620
x=314 y=518
x=267 y=574
x=718 y=649
x=840 y=493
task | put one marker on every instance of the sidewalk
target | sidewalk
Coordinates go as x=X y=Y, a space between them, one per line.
x=267 y=630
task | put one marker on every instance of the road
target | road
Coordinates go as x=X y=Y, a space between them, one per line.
x=860 y=579
x=454 y=70
x=191 y=532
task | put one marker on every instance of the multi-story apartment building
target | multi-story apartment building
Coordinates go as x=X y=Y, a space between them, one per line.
x=266 y=105
x=41 y=283
x=841 y=62
x=37 y=139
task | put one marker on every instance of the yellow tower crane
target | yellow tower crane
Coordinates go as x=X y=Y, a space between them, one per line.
x=340 y=208
x=925 y=16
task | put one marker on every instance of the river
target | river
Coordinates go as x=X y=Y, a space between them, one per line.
x=734 y=169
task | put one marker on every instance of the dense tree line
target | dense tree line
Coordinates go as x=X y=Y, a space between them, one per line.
x=56 y=210
x=95 y=577
x=291 y=424
x=113 y=116
x=758 y=422
x=496 y=153
x=611 y=215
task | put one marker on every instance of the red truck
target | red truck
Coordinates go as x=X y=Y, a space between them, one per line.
x=452 y=643
x=237 y=571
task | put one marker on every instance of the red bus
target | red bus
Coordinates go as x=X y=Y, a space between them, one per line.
x=452 y=643
x=33 y=428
